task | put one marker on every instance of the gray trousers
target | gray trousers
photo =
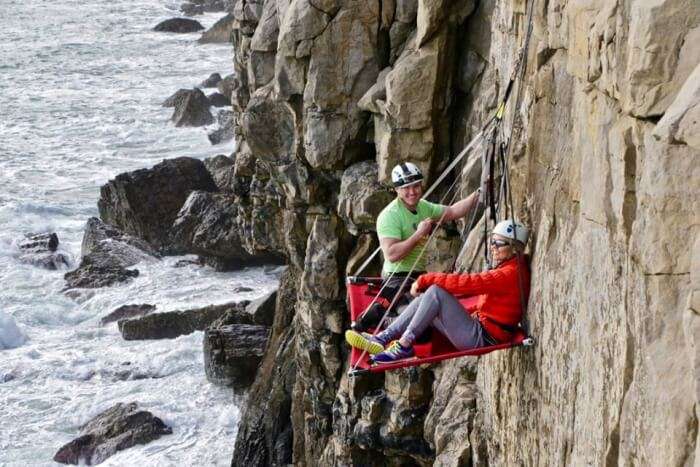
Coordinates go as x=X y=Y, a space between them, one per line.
x=437 y=308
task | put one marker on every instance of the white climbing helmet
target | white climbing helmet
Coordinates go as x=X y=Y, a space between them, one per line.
x=405 y=174
x=513 y=230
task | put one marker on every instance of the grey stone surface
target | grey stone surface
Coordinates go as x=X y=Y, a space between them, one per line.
x=117 y=428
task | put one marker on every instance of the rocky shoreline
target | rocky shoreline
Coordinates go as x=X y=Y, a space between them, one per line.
x=325 y=99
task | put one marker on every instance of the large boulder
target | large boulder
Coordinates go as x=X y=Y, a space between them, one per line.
x=179 y=25
x=221 y=169
x=176 y=98
x=117 y=428
x=192 y=109
x=211 y=81
x=220 y=32
x=171 y=324
x=232 y=354
x=104 y=244
x=106 y=253
x=145 y=202
x=224 y=132
x=227 y=85
x=214 y=225
x=216 y=99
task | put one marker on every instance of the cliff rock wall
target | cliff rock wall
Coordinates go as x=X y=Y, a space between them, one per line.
x=330 y=94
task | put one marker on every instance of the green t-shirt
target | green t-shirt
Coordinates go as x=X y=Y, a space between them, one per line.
x=396 y=221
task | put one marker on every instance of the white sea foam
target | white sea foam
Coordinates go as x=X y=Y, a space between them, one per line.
x=80 y=95
x=10 y=334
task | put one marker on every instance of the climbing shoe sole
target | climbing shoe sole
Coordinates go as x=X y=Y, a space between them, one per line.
x=362 y=342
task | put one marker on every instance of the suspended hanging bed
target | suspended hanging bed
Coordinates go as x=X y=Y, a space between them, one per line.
x=362 y=291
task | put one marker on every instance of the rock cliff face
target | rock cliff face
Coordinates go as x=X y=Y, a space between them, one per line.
x=329 y=94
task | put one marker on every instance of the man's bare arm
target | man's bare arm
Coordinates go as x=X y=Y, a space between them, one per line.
x=460 y=208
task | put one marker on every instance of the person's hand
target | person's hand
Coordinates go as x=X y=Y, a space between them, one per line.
x=425 y=227
x=414 y=289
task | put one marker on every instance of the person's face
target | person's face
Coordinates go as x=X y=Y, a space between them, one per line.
x=411 y=194
x=501 y=248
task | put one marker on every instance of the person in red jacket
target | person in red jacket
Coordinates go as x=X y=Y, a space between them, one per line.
x=497 y=312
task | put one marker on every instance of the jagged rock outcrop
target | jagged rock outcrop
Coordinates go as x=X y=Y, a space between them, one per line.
x=144 y=203
x=224 y=132
x=216 y=227
x=211 y=82
x=216 y=99
x=603 y=162
x=191 y=109
x=232 y=354
x=117 y=428
x=106 y=253
x=219 y=32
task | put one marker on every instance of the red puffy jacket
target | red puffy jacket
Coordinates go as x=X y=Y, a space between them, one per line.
x=498 y=291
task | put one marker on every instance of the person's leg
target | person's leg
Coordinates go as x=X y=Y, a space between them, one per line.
x=442 y=310
x=375 y=344
x=399 y=325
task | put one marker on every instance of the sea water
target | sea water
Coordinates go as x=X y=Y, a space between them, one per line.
x=81 y=83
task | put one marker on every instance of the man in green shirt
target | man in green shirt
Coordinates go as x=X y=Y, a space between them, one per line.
x=405 y=224
x=403 y=227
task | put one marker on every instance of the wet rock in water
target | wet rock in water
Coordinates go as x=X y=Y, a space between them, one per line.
x=227 y=85
x=51 y=261
x=104 y=244
x=260 y=311
x=221 y=169
x=117 y=428
x=216 y=99
x=145 y=202
x=106 y=253
x=208 y=225
x=225 y=131
x=188 y=262
x=242 y=289
x=127 y=311
x=172 y=324
x=39 y=242
x=178 y=25
x=192 y=110
x=220 y=32
x=176 y=98
x=191 y=9
x=92 y=276
x=211 y=82
x=40 y=250
x=233 y=353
